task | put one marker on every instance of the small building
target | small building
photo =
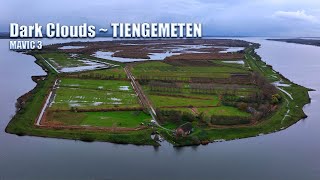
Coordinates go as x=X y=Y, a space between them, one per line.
x=184 y=129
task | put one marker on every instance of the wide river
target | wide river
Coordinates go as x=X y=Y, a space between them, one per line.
x=293 y=153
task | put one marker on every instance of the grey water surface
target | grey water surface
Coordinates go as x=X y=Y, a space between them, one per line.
x=292 y=154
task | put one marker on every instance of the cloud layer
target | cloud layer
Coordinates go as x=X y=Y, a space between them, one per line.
x=219 y=17
x=296 y=15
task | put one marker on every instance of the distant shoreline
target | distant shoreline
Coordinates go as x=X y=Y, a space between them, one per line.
x=312 y=42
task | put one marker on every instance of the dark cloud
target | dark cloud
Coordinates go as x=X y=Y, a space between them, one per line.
x=219 y=17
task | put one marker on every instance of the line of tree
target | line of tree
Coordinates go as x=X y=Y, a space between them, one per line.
x=234 y=79
x=147 y=78
x=229 y=120
x=210 y=88
x=99 y=76
x=175 y=116
x=267 y=89
x=165 y=86
x=178 y=117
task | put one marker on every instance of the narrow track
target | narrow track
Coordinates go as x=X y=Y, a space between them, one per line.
x=50 y=65
x=143 y=98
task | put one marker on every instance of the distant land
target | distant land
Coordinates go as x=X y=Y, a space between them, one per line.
x=307 y=41
x=4 y=35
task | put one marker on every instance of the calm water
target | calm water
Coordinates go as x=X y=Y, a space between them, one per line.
x=290 y=154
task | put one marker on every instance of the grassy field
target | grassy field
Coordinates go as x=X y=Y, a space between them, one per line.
x=223 y=111
x=160 y=101
x=106 y=85
x=64 y=60
x=219 y=89
x=94 y=94
x=128 y=119
x=158 y=70
x=59 y=60
x=229 y=64
x=116 y=72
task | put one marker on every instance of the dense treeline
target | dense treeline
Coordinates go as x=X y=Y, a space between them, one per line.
x=99 y=76
x=267 y=89
x=165 y=86
x=261 y=103
x=229 y=120
x=178 y=117
x=245 y=79
x=175 y=116
x=196 y=88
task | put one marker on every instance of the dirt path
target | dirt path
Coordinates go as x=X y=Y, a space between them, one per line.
x=46 y=104
x=50 y=65
x=145 y=102
x=91 y=128
x=138 y=89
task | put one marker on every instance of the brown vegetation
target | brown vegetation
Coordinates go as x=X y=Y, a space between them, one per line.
x=206 y=56
x=141 y=49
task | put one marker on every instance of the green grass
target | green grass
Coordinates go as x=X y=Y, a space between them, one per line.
x=60 y=60
x=89 y=56
x=158 y=70
x=255 y=63
x=159 y=101
x=89 y=98
x=233 y=65
x=223 y=111
x=116 y=72
x=106 y=85
x=241 y=90
x=94 y=94
x=128 y=119
x=169 y=125
x=188 y=110
x=119 y=118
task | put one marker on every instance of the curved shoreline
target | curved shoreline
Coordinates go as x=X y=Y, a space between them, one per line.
x=85 y=135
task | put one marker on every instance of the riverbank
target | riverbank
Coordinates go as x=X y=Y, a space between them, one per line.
x=23 y=122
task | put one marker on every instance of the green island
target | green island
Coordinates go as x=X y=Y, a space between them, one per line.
x=186 y=92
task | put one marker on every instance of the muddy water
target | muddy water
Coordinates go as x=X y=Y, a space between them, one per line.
x=289 y=154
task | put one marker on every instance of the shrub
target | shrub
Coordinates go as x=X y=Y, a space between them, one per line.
x=276 y=99
x=87 y=138
x=229 y=120
x=242 y=106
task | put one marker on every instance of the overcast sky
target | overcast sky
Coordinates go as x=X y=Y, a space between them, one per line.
x=219 y=17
